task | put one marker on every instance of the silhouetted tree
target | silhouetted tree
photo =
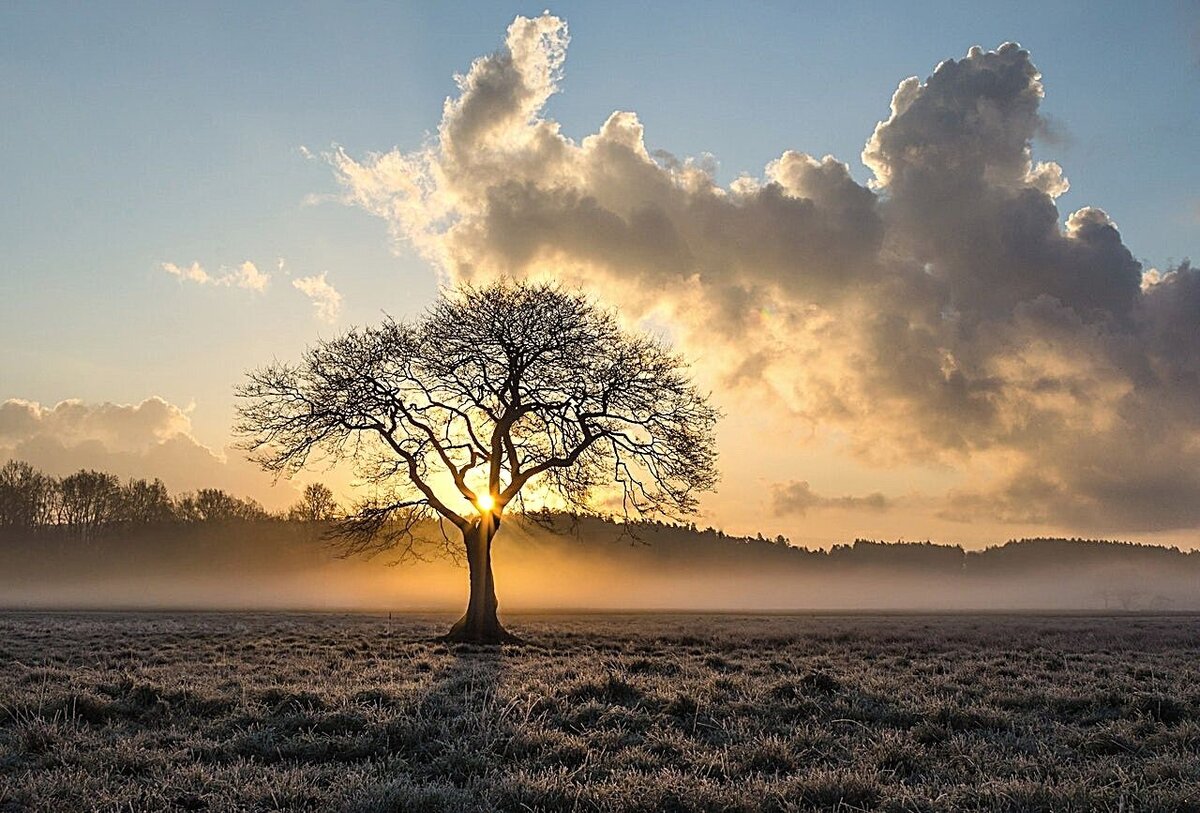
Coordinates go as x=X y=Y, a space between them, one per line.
x=27 y=497
x=145 y=503
x=316 y=504
x=496 y=389
x=214 y=505
x=88 y=500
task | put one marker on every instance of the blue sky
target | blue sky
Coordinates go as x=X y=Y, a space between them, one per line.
x=138 y=134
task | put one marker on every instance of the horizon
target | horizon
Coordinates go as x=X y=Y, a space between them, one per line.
x=246 y=509
x=879 y=379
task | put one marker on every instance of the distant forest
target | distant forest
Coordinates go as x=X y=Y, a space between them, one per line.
x=91 y=501
x=90 y=539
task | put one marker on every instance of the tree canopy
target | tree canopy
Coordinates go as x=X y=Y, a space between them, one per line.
x=492 y=389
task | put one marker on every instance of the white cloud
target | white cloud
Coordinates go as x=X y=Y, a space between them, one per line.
x=245 y=276
x=327 y=302
x=126 y=427
x=148 y=439
x=192 y=273
x=943 y=313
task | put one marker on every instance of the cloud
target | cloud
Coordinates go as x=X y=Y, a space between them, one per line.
x=798 y=498
x=126 y=427
x=327 y=302
x=945 y=313
x=192 y=273
x=245 y=276
x=148 y=439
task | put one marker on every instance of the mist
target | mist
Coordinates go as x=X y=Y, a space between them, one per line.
x=586 y=565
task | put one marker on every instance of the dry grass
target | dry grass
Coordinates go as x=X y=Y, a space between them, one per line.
x=227 y=712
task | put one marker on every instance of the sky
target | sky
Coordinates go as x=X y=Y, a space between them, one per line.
x=192 y=190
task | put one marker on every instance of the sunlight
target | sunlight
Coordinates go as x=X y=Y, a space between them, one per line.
x=485 y=502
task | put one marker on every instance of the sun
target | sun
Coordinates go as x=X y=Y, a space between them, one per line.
x=485 y=502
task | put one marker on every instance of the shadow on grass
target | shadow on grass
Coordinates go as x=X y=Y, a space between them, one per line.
x=450 y=736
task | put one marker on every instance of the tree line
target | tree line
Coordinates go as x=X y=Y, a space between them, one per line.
x=1026 y=553
x=89 y=501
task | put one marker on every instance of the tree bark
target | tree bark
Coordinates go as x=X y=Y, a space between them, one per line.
x=480 y=625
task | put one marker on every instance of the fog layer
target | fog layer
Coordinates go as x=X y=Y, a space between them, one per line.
x=585 y=566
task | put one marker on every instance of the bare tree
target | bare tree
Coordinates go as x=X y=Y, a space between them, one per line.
x=26 y=496
x=88 y=500
x=215 y=505
x=144 y=502
x=316 y=504
x=497 y=393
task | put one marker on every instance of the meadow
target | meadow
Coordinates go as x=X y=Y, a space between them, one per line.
x=367 y=713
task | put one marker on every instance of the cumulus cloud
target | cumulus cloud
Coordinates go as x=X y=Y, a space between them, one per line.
x=798 y=498
x=128 y=427
x=327 y=302
x=946 y=312
x=245 y=276
x=148 y=439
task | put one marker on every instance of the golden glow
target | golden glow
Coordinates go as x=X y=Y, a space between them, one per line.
x=485 y=502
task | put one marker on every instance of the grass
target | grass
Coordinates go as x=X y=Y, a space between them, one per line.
x=258 y=712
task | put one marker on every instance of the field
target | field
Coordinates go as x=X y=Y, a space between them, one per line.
x=227 y=712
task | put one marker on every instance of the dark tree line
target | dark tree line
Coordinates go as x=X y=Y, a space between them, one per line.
x=89 y=501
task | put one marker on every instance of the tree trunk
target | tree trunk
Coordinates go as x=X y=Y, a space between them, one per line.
x=480 y=625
